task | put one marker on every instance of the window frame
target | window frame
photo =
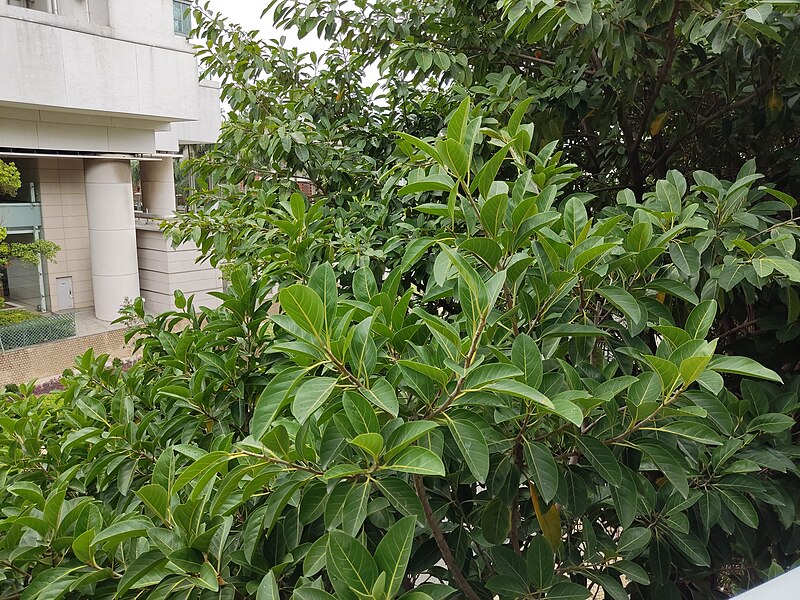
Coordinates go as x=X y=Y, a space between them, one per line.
x=182 y=25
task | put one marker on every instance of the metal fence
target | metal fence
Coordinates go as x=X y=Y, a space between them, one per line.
x=47 y=328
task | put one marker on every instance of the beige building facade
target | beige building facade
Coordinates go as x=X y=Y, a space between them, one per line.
x=90 y=87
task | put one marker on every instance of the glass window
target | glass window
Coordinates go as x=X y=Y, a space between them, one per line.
x=182 y=16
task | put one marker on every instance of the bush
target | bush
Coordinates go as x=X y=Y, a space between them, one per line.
x=542 y=409
x=27 y=329
x=9 y=317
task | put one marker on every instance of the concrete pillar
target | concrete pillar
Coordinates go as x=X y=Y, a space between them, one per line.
x=112 y=235
x=158 y=186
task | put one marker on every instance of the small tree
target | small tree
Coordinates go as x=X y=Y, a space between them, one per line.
x=546 y=408
x=30 y=252
x=10 y=181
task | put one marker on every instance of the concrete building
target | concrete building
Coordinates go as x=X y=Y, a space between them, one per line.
x=87 y=87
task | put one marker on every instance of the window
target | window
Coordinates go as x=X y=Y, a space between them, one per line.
x=182 y=16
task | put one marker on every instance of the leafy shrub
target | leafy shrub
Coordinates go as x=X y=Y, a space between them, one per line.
x=543 y=408
x=8 y=317
x=36 y=329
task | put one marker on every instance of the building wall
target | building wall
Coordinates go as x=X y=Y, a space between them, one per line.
x=64 y=219
x=134 y=66
x=163 y=270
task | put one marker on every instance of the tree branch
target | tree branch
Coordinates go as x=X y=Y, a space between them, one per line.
x=675 y=144
x=672 y=47
x=447 y=554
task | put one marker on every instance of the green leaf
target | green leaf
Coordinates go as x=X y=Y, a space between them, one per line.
x=623 y=302
x=402 y=497
x=371 y=443
x=311 y=395
x=685 y=257
x=520 y=390
x=525 y=355
x=156 y=499
x=383 y=396
x=540 y=562
x=771 y=423
x=406 y=434
x=691 y=547
x=496 y=521
x=601 y=458
x=311 y=593
x=472 y=444
x=542 y=468
x=493 y=212
x=580 y=11
x=488 y=171
x=674 y=288
x=457 y=125
x=393 y=552
x=417 y=460
x=273 y=399
x=304 y=307
x=440 y=182
x=348 y=560
x=209 y=463
x=633 y=540
x=701 y=319
x=741 y=365
x=741 y=507
x=565 y=590
x=122 y=530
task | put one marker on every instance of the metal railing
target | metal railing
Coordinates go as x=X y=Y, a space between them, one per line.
x=46 y=328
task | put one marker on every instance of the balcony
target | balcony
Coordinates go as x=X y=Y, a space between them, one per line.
x=20 y=215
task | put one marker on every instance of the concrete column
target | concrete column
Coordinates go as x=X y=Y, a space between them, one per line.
x=112 y=235
x=158 y=186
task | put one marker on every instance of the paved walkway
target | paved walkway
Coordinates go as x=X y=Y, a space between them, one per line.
x=87 y=324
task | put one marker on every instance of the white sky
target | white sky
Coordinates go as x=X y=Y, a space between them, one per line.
x=247 y=13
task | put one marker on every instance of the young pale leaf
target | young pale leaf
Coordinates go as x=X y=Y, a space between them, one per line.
x=371 y=443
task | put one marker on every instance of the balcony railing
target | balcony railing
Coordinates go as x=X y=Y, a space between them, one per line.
x=20 y=215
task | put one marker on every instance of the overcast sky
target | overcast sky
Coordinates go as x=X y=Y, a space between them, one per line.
x=248 y=14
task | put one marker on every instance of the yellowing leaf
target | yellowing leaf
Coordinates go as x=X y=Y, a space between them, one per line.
x=657 y=124
x=549 y=522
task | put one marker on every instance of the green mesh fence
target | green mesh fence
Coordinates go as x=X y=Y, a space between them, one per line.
x=47 y=328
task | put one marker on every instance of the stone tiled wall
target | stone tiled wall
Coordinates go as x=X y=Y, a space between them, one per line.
x=50 y=360
x=63 y=195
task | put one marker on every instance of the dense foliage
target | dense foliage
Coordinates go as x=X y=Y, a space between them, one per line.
x=632 y=89
x=549 y=406
x=10 y=181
